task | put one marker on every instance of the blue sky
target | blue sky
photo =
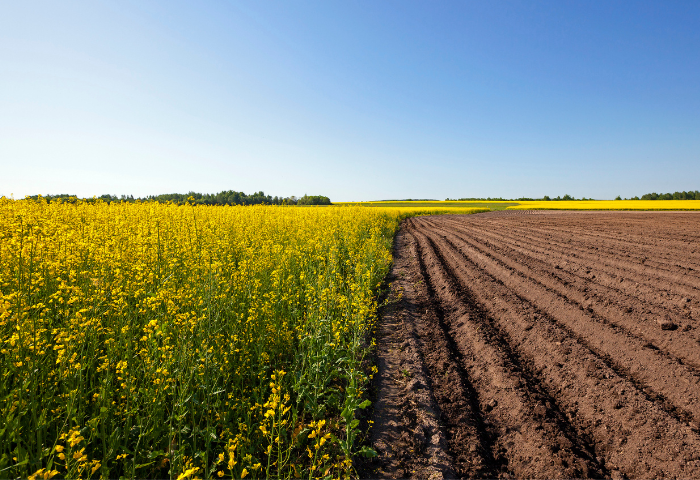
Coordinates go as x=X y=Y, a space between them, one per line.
x=353 y=100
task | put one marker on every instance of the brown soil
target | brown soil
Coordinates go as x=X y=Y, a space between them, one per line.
x=541 y=345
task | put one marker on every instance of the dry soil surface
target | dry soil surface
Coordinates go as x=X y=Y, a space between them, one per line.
x=541 y=345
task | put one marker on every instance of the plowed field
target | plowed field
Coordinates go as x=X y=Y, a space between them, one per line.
x=541 y=345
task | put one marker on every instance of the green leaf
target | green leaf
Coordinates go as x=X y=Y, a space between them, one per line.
x=365 y=404
x=155 y=454
x=367 y=452
x=23 y=462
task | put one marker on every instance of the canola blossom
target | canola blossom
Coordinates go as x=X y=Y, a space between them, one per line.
x=160 y=341
x=429 y=207
x=608 y=205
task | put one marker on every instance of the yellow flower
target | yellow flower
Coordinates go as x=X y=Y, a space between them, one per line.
x=36 y=474
x=244 y=473
x=43 y=474
x=187 y=473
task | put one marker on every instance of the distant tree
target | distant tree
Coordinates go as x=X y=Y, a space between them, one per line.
x=618 y=198
x=546 y=198
x=314 y=200
x=227 y=197
x=689 y=195
x=61 y=197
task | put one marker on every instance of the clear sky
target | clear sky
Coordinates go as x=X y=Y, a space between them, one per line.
x=353 y=100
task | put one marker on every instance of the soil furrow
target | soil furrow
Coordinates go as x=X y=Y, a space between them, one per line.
x=587 y=254
x=602 y=303
x=632 y=266
x=645 y=299
x=683 y=416
x=670 y=247
x=627 y=257
x=509 y=394
x=634 y=298
x=408 y=438
x=541 y=344
x=553 y=231
x=471 y=443
x=649 y=367
x=622 y=422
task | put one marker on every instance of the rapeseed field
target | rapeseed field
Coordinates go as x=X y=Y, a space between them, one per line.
x=456 y=207
x=159 y=341
x=608 y=205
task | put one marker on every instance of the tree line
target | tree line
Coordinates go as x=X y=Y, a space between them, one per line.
x=227 y=197
x=689 y=195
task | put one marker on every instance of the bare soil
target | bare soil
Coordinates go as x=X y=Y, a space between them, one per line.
x=541 y=345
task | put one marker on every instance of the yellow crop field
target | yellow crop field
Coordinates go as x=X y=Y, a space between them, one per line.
x=151 y=340
x=435 y=207
x=608 y=205
x=454 y=206
x=408 y=211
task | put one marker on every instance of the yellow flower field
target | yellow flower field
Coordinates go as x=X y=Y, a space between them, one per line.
x=151 y=340
x=456 y=207
x=608 y=205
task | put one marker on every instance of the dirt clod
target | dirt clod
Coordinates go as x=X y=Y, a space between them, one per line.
x=666 y=324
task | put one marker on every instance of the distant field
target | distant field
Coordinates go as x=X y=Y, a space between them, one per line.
x=435 y=204
x=609 y=205
x=542 y=205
